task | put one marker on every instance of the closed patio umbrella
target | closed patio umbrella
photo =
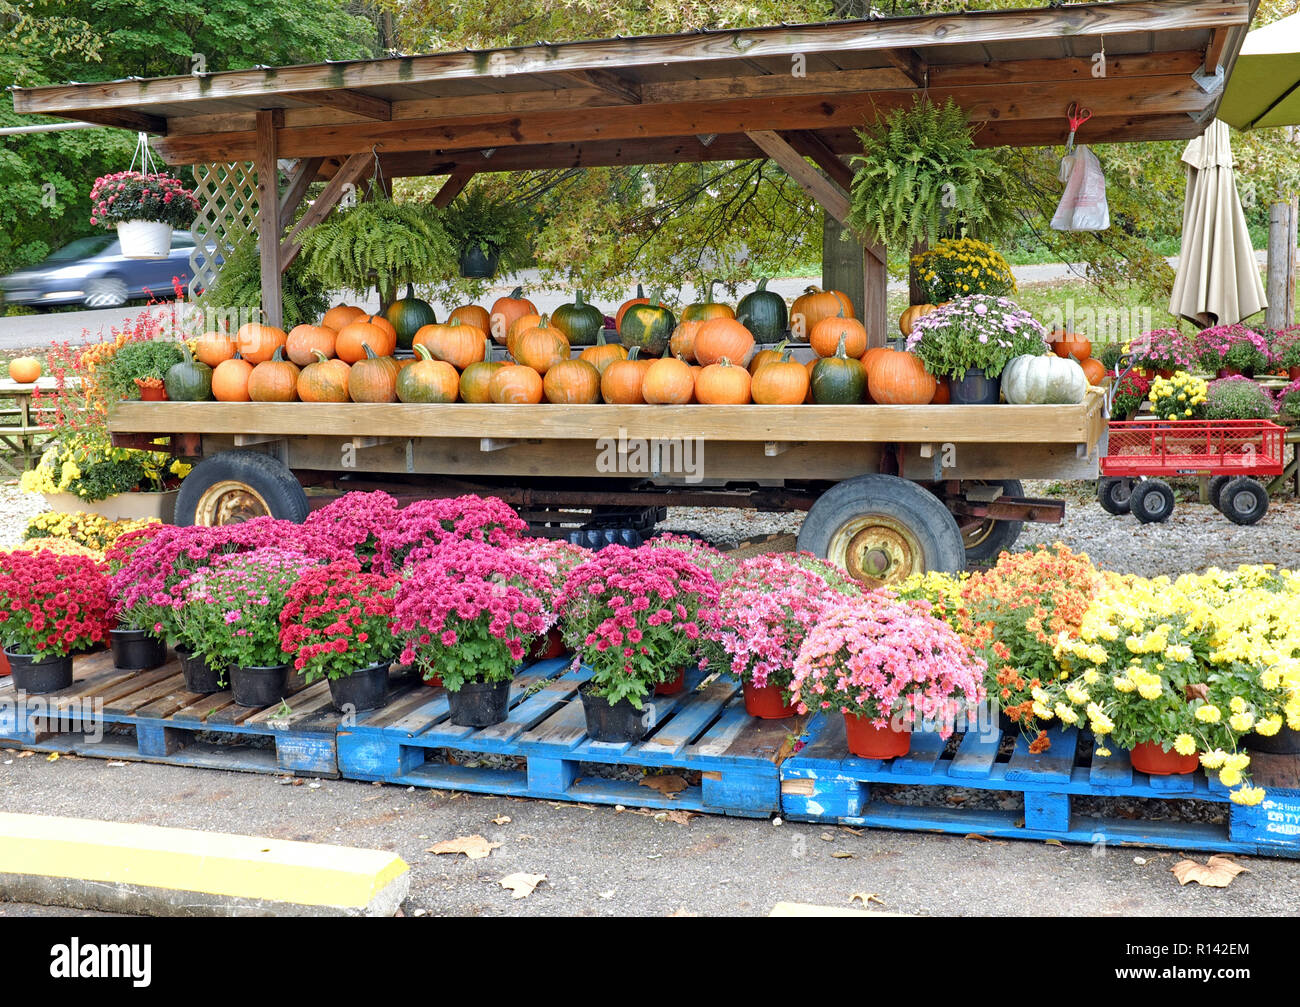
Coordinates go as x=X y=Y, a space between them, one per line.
x=1218 y=279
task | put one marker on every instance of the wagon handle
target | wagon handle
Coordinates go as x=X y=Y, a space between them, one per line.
x=1126 y=362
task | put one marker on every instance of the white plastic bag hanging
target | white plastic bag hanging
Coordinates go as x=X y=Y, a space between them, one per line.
x=1083 y=207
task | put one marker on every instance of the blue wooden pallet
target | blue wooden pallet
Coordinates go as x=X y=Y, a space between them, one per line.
x=158 y=720
x=822 y=783
x=703 y=728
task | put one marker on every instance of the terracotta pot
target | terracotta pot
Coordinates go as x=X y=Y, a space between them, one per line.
x=871 y=742
x=766 y=702
x=549 y=646
x=673 y=685
x=433 y=683
x=1293 y=373
x=150 y=394
x=1153 y=760
x=4 y=665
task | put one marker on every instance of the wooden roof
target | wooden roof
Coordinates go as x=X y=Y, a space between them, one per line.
x=696 y=96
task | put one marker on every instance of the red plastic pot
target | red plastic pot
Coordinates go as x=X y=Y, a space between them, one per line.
x=4 y=665
x=433 y=683
x=549 y=646
x=1150 y=758
x=871 y=742
x=766 y=702
x=151 y=394
x=673 y=685
x=1293 y=373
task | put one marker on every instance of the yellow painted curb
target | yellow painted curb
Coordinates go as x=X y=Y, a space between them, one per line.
x=212 y=863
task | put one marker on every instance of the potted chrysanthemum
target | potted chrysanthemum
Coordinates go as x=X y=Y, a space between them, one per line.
x=144 y=208
x=557 y=558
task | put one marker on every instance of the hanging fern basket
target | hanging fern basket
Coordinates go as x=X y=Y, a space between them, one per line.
x=476 y=265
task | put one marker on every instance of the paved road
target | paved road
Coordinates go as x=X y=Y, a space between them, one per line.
x=601 y=862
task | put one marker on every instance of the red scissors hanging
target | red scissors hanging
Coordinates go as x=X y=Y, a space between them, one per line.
x=1077 y=117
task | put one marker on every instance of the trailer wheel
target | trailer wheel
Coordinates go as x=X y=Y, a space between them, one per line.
x=1152 y=501
x=1215 y=489
x=235 y=486
x=881 y=529
x=991 y=537
x=1243 y=500
x=1115 y=495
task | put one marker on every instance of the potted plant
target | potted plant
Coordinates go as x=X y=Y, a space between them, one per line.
x=971 y=339
x=136 y=365
x=144 y=209
x=422 y=527
x=1181 y=397
x=483 y=226
x=51 y=606
x=229 y=613
x=469 y=613
x=1237 y=398
x=959 y=267
x=889 y=668
x=1130 y=392
x=635 y=617
x=1288 y=403
x=1161 y=352
x=557 y=558
x=1285 y=351
x=337 y=624
x=1228 y=350
x=356 y=520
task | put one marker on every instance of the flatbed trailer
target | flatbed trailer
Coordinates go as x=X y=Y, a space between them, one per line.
x=887 y=489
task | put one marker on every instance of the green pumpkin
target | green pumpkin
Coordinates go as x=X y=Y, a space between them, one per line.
x=840 y=380
x=765 y=312
x=409 y=315
x=580 y=322
x=647 y=327
x=1045 y=380
x=702 y=311
x=188 y=381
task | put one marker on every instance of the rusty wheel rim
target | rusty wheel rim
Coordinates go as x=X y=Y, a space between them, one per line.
x=876 y=549
x=229 y=502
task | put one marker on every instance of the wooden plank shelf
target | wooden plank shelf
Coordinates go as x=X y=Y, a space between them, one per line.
x=823 y=783
x=704 y=729
x=149 y=716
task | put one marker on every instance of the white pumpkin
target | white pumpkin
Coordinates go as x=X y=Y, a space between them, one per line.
x=1045 y=380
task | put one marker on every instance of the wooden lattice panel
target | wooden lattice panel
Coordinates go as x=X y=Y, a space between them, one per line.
x=227 y=195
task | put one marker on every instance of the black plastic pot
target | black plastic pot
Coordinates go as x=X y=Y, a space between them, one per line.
x=479 y=704
x=1285 y=742
x=36 y=675
x=366 y=689
x=974 y=389
x=199 y=675
x=621 y=723
x=475 y=265
x=257 y=687
x=136 y=650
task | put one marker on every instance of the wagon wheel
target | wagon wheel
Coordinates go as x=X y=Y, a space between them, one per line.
x=881 y=529
x=237 y=486
x=1152 y=501
x=1115 y=495
x=1243 y=500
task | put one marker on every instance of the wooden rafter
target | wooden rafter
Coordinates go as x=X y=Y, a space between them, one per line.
x=911 y=65
x=454 y=186
x=353 y=169
x=354 y=102
x=612 y=84
x=304 y=173
x=829 y=196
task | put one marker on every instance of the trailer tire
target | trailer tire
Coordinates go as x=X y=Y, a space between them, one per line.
x=1115 y=495
x=881 y=528
x=992 y=537
x=1243 y=500
x=1152 y=501
x=1215 y=489
x=235 y=486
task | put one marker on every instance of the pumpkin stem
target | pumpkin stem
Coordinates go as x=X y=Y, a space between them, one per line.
x=654 y=298
x=370 y=354
x=839 y=349
x=517 y=293
x=785 y=354
x=410 y=291
x=421 y=351
x=320 y=357
x=762 y=283
x=279 y=353
x=639 y=291
x=634 y=353
x=812 y=290
x=577 y=299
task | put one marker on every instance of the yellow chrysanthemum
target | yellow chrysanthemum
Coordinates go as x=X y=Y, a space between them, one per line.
x=1208 y=714
x=1185 y=744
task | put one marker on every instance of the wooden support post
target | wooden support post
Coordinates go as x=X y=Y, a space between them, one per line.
x=453 y=187
x=1281 y=264
x=268 y=216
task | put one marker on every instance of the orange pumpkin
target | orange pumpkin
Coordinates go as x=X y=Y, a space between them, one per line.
x=382 y=322
x=24 y=370
x=305 y=341
x=784 y=382
x=373 y=378
x=341 y=315
x=357 y=337
x=472 y=314
x=813 y=305
x=518 y=327
x=942 y=392
x=505 y=310
x=1094 y=370
x=640 y=298
x=908 y=318
x=682 y=342
x=723 y=384
x=870 y=356
x=427 y=379
x=1070 y=344
x=668 y=381
x=572 y=382
x=602 y=354
x=474 y=381
x=324 y=380
x=213 y=347
x=622 y=381
x=515 y=384
x=809 y=368
x=541 y=347
x=769 y=356
x=257 y=343
x=274 y=380
x=825 y=336
x=230 y=380
x=899 y=378
x=723 y=337
x=455 y=342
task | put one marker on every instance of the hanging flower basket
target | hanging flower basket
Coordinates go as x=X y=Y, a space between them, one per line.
x=144 y=208
x=145 y=239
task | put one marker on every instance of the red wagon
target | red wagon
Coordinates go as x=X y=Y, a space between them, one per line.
x=1230 y=452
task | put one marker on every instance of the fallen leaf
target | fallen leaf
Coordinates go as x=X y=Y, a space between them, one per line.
x=852 y=831
x=52 y=757
x=827 y=837
x=475 y=847
x=522 y=885
x=865 y=898
x=668 y=785
x=842 y=854
x=977 y=836
x=683 y=912
x=1217 y=872
x=25 y=755
x=957 y=799
x=501 y=820
x=1053 y=842
x=1198 y=690
x=681 y=817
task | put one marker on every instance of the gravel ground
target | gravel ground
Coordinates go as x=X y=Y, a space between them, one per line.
x=16 y=508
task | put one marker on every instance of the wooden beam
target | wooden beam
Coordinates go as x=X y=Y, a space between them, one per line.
x=1214 y=51
x=301 y=179
x=353 y=169
x=828 y=195
x=453 y=187
x=621 y=88
x=813 y=146
x=911 y=65
x=125 y=119
x=268 y=217
x=614 y=55
x=352 y=102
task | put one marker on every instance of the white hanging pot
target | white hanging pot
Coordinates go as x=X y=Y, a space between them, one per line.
x=145 y=239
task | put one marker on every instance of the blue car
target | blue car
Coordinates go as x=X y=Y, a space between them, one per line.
x=93 y=272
